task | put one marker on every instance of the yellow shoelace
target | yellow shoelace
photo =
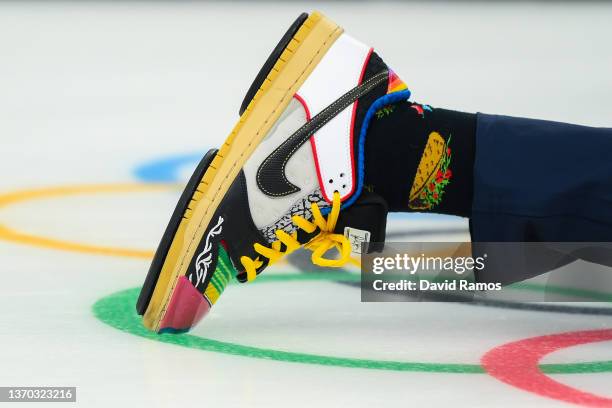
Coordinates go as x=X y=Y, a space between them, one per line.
x=319 y=245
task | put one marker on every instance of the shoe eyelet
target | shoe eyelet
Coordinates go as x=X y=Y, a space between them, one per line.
x=331 y=181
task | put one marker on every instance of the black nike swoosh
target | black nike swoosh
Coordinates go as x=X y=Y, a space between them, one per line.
x=271 y=178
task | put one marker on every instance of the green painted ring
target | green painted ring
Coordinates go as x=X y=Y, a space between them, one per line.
x=117 y=310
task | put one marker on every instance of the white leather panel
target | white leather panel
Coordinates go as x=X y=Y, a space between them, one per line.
x=338 y=72
x=300 y=169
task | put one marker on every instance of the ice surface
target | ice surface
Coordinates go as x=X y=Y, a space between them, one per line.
x=91 y=90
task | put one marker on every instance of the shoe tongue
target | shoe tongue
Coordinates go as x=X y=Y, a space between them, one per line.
x=364 y=221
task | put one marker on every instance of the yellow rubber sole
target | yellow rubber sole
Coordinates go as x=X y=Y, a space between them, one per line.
x=300 y=57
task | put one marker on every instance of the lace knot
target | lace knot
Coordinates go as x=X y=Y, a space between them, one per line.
x=325 y=240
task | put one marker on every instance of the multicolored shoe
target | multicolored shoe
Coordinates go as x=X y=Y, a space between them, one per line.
x=289 y=175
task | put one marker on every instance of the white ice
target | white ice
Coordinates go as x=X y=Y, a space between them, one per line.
x=90 y=90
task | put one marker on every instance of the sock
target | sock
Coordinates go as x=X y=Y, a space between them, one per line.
x=419 y=158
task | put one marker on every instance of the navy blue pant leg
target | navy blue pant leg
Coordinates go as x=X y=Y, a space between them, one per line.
x=538 y=180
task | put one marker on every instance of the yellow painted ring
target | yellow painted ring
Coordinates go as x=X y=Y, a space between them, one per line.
x=11 y=235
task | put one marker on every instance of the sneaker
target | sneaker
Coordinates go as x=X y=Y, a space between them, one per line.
x=289 y=175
